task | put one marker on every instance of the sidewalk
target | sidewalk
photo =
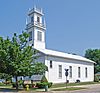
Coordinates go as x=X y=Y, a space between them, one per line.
x=85 y=86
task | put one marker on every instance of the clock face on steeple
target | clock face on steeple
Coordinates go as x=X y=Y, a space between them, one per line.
x=36 y=28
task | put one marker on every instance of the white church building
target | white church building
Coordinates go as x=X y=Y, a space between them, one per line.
x=79 y=68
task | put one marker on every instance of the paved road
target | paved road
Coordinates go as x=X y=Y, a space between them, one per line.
x=90 y=89
x=95 y=88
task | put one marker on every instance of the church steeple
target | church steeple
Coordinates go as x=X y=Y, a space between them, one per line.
x=36 y=27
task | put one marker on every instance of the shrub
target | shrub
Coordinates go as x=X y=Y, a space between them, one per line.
x=20 y=82
x=77 y=81
x=42 y=85
x=44 y=79
x=50 y=84
x=24 y=85
x=7 y=82
x=44 y=82
x=13 y=84
x=96 y=78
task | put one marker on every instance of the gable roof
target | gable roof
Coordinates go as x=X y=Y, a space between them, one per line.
x=64 y=55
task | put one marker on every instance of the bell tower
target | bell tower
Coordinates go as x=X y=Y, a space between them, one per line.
x=36 y=28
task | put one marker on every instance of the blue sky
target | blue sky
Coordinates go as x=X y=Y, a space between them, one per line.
x=72 y=25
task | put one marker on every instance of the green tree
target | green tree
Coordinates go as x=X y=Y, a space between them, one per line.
x=6 y=77
x=16 y=58
x=39 y=68
x=94 y=55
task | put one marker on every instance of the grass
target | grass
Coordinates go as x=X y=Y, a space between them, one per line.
x=56 y=86
x=73 y=84
x=69 y=89
x=8 y=88
x=2 y=84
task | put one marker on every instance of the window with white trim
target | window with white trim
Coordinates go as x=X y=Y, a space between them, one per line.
x=70 y=71
x=39 y=36
x=32 y=19
x=60 y=71
x=86 y=72
x=50 y=63
x=38 y=19
x=79 y=72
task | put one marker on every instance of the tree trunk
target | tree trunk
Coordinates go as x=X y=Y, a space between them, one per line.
x=6 y=81
x=16 y=83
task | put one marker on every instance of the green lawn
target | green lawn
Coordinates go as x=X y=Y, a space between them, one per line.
x=73 y=84
x=4 y=87
x=2 y=84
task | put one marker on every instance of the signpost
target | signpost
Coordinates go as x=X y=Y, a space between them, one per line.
x=66 y=74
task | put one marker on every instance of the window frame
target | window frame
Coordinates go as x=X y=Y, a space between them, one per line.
x=38 y=19
x=51 y=64
x=60 y=71
x=30 y=36
x=79 y=72
x=86 y=72
x=70 y=71
x=39 y=36
x=32 y=19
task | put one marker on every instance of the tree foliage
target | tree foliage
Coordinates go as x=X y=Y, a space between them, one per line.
x=94 y=54
x=39 y=68
x=5 y=77
x=17 y=58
